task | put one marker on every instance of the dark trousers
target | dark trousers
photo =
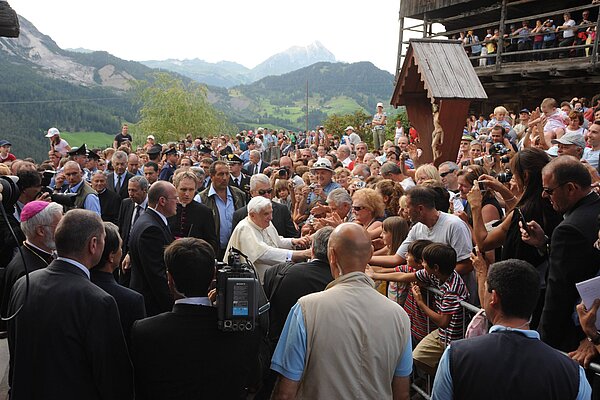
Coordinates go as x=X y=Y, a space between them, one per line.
x=565 y=43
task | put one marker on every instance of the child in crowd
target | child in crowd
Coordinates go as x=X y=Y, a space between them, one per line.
x=401 y=293
x=499 y=118
x=556 y=120
x=282 y=194
x=439 y=261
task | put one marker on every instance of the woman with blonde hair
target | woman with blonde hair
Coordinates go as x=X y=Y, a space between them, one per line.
x=427 y=172
x=368 y=209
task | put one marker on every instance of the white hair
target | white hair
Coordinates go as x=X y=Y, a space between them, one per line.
x=43 y=218
x=258 y=179
x=258 y=204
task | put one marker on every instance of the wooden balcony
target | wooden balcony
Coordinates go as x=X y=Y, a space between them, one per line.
x=521 y=78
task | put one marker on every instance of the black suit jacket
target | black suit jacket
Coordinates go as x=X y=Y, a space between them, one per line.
x=573 y=259
x=67 y=342
x=195 y=220
x=282 y=220
x=147 y=241
x=299 y=280
x=249 y=167
x=182 y=355
x=110 y=203
x=34 y=259
x=130 y=303
x=110 y=184
x=244 y=182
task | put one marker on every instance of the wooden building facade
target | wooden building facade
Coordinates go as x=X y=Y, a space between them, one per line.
x=514 y=78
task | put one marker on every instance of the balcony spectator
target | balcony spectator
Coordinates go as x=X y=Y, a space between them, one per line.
x=538 y=40
x=549 y=38
x=523 y=41
x=568 y=33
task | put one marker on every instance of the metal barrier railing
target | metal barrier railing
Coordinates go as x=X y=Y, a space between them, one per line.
x=467 y=308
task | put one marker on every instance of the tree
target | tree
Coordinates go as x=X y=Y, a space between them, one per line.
x=336 y=124
x=171 y=109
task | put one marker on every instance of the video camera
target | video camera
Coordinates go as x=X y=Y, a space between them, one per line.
x=237 y=294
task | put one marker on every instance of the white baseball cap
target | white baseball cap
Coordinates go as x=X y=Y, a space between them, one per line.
x=349 y=128
x=379 y=104
x=52 y=132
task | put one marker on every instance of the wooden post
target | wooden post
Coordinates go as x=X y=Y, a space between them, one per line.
x=500 y=43
x=424 y=25
x=400 y=38
x=595 y=48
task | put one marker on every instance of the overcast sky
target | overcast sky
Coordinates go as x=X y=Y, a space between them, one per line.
x=243 y=31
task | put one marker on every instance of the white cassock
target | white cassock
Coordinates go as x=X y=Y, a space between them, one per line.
x=264 y=247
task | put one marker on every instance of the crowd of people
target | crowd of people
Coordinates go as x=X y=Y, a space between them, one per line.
x=545 y=34
x=367 y=257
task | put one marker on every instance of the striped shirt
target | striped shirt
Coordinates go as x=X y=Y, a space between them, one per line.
x=400 y=292
x=453 y=291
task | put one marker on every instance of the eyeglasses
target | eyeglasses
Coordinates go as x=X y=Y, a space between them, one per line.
x=262 y=192
x=444 y=174
x=550 y=191
x=358 y=208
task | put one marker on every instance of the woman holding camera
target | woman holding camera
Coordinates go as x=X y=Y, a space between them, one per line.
x=490 y=207
x=527 y=205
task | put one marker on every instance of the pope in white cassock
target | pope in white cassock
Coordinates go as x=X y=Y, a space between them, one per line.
x=257 y=238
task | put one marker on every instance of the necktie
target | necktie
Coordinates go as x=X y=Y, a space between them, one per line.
x=138 y=211
x=237 y=182
x=255 y=170
x=118 y=184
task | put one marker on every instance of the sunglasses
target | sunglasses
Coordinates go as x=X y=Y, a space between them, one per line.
x=444 y=174
x=550 y=191
x=262 y=192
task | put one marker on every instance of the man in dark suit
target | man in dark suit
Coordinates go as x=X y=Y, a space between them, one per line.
x=282 y=219
x=131 y=209
x=130 y=303
x=168 y=169
x=38 y=223
x=181 y=354
x=147 y=240
x=67 y=341
x=255 y=165
x=110 y=202
x=118 y=180
x=573 y=257
x=192 y=219
x=237 y=177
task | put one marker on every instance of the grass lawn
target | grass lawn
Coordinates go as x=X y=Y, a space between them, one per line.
x=91 y=139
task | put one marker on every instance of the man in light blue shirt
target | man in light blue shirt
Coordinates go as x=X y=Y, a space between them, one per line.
x=510 y=361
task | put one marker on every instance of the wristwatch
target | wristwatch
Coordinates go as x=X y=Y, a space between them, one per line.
x=595 y=339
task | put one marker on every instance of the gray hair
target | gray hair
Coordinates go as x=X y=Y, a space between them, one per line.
x=120 y=156
x=142 y=181
x=320 y=240
x=259 y=179
x=452 y=166
x=255 y=153
x=75 y=230
x=344 y=149
x=199 y=171
x=389 y=168
x=258 y=204
x=339 y=196
x=43 y=218
x=363 y=170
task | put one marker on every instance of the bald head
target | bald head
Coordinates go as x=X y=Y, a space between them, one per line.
x=349 y=249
